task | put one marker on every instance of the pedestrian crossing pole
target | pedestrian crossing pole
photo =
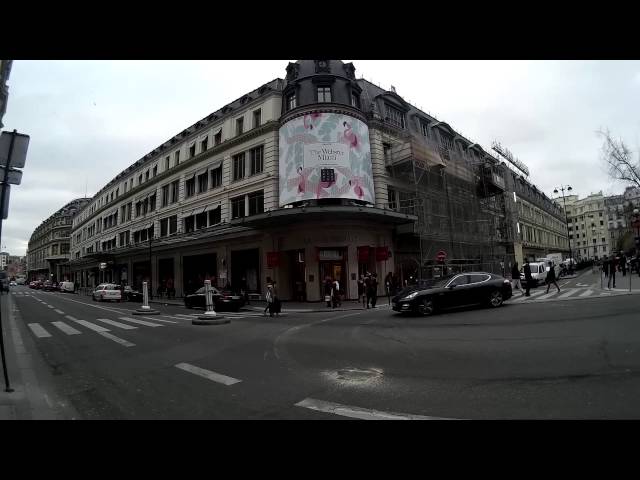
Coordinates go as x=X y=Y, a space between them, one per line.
x=209 y=317
x=145 y=309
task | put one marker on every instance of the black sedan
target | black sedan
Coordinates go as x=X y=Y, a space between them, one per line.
x=221 y=300
x=131 y=295
x=452 y=291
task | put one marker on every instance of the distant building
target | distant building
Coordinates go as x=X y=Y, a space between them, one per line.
x=588 y=229
x=4 y=260
x=48 y=250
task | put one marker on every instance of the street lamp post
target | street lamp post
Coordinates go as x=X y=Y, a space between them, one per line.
x=636 y=224
x=566 y=220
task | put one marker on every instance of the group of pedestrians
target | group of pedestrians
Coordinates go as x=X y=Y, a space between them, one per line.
x=528 y=278
x=612 y=264
x=332 y=292
x=368 y=290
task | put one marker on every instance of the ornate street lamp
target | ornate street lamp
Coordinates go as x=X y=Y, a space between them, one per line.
x=568 y=189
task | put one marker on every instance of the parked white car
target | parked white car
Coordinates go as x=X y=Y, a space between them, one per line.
x=67 y=287
x=107 y=291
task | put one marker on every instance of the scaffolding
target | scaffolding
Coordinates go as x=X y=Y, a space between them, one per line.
x=460 y=209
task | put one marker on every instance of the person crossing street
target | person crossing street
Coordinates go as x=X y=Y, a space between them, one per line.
x=551 y=277
x=515 y=278
x=527 y=276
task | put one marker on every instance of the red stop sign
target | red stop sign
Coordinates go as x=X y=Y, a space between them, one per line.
x=441 y=255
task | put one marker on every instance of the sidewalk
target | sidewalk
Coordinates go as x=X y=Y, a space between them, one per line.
x=34 y=396
x=597 y=279
x=314 y=307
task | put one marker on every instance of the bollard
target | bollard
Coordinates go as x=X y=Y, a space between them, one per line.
x=145 y=309
x=209 y=317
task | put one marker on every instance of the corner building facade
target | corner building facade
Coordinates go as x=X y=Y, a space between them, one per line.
x=314 y=176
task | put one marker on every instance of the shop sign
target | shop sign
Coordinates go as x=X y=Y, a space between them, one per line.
x=382 y=254
x=329 y=255
x=272 y=259
x=363 y=254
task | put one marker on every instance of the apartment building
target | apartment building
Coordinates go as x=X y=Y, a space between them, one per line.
x=588 y=226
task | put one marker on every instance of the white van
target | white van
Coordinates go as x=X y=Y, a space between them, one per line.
x=67 y=287
x=538 y=273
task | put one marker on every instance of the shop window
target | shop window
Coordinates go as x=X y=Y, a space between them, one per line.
x=237 y=207
x=215 y=216
x=256 y=202
x=238 y=166
x=203 y=182
x=216 y=177
x=256 y=156
x=201 y=220
x=189 y=224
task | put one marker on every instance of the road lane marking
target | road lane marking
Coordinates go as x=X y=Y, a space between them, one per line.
x=51 y=306
x=119 y=340
x=116 y=324
x=38 y=331
x=66 y=328
x=360 y=413
x=568 y=293
x=159 y=320
x=586 y=294
x=89 y=325
x=141 y=322
x=59 y=311
x=208 y=374
x=547 y=295
x=525 y=298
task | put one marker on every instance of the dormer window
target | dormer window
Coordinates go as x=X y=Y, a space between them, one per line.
x=424 y=127
x=322 y=66
x=355 y=100
x=395 y=116
x=324 y=94
x=291 y=101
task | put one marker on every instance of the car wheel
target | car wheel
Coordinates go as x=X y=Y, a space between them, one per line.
x=426 y=307
x=495 y=299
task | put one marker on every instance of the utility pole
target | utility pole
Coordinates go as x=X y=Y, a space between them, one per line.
x=555 y=190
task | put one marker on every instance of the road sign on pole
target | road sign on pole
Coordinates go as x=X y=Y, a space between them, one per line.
x=18 y=151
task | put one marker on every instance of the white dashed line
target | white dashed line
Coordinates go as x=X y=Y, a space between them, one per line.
x=361 y=413
x=59 y=311
x=38 y=331
x=116 y=324
x=141 y=322
x=66 y=328
x=119 y=340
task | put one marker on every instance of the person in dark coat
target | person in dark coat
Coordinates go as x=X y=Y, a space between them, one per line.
x=361 y=295
x=623 y=265
x=527 y=276
x=515 y=278
x=328 y=287
x=612 y=272
x=372 y=291
x=551 y=277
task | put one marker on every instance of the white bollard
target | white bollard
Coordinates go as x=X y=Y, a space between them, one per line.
x=210 y=310
x=145 y=297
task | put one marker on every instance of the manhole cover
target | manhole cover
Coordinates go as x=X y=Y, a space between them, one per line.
x=354 y=375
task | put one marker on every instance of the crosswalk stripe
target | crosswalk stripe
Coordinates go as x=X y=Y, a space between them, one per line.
x=568 y=293
x=66 y=328
x=141 y=322
x=38 y=331
x=59 y=311
x=586 y=294
x=159 y=320
x=547 y=295
x=89 y=325
x=116 y=324
x=208 y=374
x=119 y=340
x=51 y=306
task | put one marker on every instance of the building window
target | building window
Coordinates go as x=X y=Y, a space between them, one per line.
x=256 y=156
x=201 y=220
x=355 y=100
x=124 y=238
x=173 y=224
x=164 y=196
x=130 y=186
x=216 y=177
x=424 y=127
x=155 y=172
x=146 y=177
x=204 y=144
x=324 y=94
x=237 y=207
x=291 y=101
x=257 y=118
x=166 y=163
x=152 y=203
x=138 y=209
x=189 y=224
x=174 y=190
x=217 y=139
x=238 y=166
x=446 y=140
x=215 y=216
x=391 y=194
x=239 y=126
x=256 y=202
x=192 y=151
x=140 y=179
x=203 y=182
x=190 y=186
x=164 y=227
x=395 y=116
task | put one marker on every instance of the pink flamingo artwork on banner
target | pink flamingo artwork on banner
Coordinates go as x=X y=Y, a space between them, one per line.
x=311 y=120
x=302 y=182
x=348 y=137
x=355 y=182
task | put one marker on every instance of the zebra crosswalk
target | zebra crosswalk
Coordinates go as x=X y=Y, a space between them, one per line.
x=564 y=294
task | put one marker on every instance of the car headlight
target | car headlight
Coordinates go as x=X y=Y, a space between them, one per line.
x=410 y=296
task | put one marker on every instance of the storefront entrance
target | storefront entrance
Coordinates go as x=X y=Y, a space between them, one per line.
x=196 y=269
x=333 y=266
x=245 y=264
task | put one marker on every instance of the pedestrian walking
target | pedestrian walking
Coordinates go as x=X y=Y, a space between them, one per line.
x=328 y=287
x=527 y=276
x=515 y=278
x=623 y=265
x=612 y=272
x=551 y=277
x=276 y=305
x=361 y=295
x=268 y=296
x=372 y=293
x=605 y=266
x=387 y=285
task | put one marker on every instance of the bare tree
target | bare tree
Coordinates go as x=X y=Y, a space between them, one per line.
x=619 y=159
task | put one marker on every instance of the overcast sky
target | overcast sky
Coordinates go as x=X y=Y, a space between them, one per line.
x=89 y=120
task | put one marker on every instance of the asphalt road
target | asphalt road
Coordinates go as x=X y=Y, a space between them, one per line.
x=571 y=359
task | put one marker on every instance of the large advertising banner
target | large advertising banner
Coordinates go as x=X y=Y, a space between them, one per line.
x=325 y=155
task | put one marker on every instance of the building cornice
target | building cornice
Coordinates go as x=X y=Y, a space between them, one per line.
x=323 y=108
